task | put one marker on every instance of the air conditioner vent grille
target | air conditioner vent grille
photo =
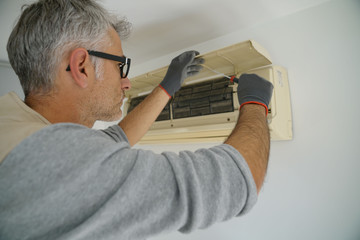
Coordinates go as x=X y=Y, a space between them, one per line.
x=211 y=97
x=203 y=99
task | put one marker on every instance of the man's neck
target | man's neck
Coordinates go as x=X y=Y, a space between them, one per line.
x=58 y=110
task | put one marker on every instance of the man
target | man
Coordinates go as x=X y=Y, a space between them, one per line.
x=60 y=179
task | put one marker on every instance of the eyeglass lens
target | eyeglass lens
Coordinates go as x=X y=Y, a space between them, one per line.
x=124 y=69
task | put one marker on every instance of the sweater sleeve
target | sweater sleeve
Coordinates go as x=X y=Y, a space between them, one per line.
x=116 y=133
x=214 y=184
x=69 y=182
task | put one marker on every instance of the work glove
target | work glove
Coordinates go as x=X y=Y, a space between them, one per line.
x=254 y=89
x=183 y=66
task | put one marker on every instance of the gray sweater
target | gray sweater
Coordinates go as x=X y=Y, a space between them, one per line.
x=67 y=181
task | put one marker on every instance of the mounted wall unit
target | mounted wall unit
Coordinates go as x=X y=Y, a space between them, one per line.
x=206 y=108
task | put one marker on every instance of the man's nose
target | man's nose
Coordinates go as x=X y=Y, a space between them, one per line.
x=125 y=84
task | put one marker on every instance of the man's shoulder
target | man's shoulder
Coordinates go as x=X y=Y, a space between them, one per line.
x=75 y=132
x=67 y=140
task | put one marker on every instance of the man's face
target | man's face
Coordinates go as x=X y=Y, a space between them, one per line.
x=108 y=93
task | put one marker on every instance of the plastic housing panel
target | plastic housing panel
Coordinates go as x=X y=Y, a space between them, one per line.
x=230 y=60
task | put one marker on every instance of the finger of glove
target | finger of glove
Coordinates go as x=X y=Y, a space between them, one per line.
x=186 y=57
x=192 y=73
x=196 y=65
x=198 y=61
x=194 y=68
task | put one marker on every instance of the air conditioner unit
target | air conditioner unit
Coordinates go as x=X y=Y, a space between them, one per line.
x=206 y=108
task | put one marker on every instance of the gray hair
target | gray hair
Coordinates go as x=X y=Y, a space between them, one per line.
x=49 y=29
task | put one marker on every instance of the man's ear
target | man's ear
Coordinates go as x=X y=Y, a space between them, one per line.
x=79 y=66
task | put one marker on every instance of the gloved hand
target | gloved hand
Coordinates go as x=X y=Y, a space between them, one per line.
x=181 y=67
x=254 y=89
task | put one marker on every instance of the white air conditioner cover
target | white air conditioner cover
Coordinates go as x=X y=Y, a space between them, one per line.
x=243 y=57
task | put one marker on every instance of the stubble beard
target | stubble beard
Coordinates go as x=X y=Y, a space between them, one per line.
x=104 y=109
x=108 y=111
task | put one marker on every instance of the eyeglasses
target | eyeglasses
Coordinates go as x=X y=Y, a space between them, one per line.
x=124 y=64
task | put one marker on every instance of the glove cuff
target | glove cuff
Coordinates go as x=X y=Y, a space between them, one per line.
x=165 y=90
x=254 y=102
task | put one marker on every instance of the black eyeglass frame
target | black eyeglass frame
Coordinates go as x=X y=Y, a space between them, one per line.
x=123 y=61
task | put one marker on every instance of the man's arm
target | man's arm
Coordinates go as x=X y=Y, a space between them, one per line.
x=251 y=134
x=138 y=122
x=252 y=139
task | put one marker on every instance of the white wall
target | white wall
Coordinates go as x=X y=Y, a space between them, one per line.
x=312 y=189
x=9 y=81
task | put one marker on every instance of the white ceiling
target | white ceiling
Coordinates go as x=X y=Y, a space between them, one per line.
x=161 y=27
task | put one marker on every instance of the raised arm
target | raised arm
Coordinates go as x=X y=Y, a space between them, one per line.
x=251 y=134
x=139 y=121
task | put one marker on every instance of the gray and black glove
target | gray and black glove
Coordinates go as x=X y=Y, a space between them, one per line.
x=254 y=89
x=183 y=66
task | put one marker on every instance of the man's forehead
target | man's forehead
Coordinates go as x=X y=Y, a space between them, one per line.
x=115 y=40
